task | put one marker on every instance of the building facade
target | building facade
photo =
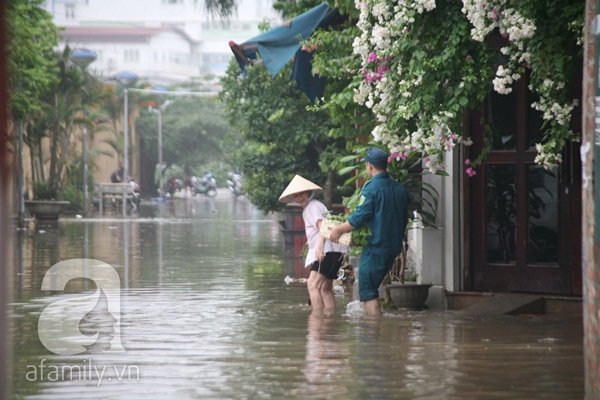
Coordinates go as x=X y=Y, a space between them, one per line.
x=162 y=41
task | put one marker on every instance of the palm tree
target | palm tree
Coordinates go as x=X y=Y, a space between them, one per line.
x=66 y=105
x=221 y=8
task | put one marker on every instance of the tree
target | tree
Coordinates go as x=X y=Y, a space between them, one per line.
x=32 y=37
x=282 y=137
x=195 y=133
x=66 y=105
x=47 y=92
x=43 y=86
x=285 y=134
x=221 y=8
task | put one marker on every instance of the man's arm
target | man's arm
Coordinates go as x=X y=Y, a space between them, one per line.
x=338 y=230
x=359 y=217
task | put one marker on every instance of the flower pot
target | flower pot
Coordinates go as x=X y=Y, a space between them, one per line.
x=409 y=296
x=46 y=210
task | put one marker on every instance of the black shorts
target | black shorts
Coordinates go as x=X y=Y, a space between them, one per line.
x=330 y=265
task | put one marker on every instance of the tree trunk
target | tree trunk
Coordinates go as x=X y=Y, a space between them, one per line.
x=41 y=171
x=32 y=158
x=64 y=157
x=402 y=263
x=328 y=189
x=54 y=147
x=399 y=266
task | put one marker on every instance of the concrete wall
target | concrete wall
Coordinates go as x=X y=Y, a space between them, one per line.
x=440 y=247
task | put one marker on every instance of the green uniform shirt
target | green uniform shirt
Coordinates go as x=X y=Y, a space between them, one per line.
x=383 y=206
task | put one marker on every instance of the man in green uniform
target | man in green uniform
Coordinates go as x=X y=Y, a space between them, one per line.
x=383 y=207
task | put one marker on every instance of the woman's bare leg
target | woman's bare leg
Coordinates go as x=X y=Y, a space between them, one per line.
x=313 y=284
x=327 y=293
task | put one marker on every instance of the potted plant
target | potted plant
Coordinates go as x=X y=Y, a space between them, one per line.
x=404 y=293
x=45 y=206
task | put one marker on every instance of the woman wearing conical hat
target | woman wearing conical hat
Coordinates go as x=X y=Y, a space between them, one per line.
x=324 y=257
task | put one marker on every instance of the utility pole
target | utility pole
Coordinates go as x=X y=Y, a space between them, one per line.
x=590 y=154
x=6 y=169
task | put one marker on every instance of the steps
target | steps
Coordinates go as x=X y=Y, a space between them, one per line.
x=506 y=304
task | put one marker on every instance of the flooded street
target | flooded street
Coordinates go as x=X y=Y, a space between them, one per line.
x=205 y=314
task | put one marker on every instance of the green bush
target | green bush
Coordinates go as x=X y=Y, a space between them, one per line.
x=43 y=191
x=73 y=195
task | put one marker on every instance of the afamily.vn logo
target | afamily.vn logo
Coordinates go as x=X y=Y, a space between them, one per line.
x=87 y=371
x=60 y=324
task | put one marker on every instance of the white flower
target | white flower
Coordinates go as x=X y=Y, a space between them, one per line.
x=377 y=133
x=381 y=37
x=391 y=96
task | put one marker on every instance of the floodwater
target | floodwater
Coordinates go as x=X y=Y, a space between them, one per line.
x=205 y=314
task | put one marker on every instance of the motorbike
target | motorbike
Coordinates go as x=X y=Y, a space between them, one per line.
x=235 y=183
x=135 y=198
x=171 y=186
x=207 y=185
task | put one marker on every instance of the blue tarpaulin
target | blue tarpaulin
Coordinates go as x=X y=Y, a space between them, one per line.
x=277 y=46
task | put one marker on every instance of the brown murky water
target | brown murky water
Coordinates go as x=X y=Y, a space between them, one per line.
x=205 y=314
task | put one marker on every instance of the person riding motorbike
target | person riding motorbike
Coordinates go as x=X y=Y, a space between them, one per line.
x=206 y=185
x=135 y=195
x=235 y=183
x=117 y=175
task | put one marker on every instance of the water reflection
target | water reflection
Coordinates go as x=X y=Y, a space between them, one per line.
x=205 y=313
x=327 y=358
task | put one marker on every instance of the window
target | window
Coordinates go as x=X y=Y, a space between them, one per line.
x=70 y=11
x=132 y=55
x=216 y=25
x=209 y=58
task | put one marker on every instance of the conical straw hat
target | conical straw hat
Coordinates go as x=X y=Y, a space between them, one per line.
x=298 y=185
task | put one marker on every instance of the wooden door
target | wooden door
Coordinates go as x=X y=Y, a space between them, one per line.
x=523 y=221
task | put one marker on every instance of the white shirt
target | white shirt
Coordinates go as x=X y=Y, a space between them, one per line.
x=315 y=211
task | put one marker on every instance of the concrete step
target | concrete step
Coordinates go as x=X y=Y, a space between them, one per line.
x=506 y=304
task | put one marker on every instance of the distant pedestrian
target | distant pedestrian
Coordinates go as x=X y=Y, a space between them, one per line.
x=324 y=257
x=383 y=207
x=187 y=179
x=117 y=175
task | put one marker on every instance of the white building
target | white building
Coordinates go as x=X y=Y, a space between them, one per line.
x=163 y=41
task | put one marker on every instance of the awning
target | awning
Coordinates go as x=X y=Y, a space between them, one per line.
x=277 y=46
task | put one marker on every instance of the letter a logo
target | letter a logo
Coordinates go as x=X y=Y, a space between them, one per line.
x=58 y=326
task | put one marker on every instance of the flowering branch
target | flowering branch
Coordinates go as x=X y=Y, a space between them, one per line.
x=423 y=62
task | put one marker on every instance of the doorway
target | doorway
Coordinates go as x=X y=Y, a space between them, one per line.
x=523 y=221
